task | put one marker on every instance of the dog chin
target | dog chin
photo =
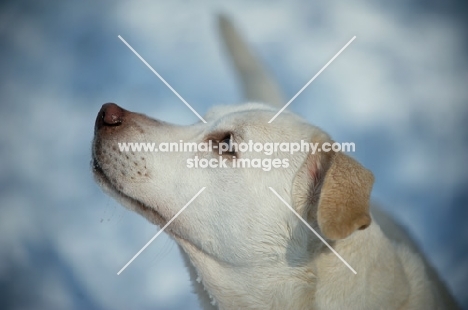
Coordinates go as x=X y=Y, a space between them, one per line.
x=129 y=202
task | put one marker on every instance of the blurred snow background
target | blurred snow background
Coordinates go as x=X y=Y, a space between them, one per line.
x=399 y=92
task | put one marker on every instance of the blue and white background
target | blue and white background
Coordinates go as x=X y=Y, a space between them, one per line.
x=400 y=92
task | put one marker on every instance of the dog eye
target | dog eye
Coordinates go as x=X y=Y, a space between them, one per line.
x=225 y=144
x=226 y=140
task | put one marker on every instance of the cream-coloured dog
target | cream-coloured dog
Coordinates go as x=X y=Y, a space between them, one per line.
x=244 y=248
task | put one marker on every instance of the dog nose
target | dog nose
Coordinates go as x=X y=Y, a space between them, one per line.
x=110 y=115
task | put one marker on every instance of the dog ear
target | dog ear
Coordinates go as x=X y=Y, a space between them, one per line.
x=338 y=192
x=343 y=206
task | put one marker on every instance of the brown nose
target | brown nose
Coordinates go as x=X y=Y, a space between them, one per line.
x=110 y=115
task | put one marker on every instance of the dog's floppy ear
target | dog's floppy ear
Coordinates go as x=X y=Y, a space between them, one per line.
x=338 y=193
x=343 y=206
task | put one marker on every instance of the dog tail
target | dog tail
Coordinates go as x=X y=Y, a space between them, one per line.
x=258 y=85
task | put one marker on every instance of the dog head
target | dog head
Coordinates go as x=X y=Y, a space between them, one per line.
x=237 y=221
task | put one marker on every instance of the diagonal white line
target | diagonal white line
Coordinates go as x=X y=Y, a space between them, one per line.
x=312 y=79
x=162 y=79
x=318 y=236
x=159 y=232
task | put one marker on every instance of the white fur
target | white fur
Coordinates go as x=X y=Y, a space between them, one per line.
x=244 y=248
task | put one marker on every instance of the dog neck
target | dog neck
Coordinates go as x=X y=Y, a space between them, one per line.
x=303 y=283
x=220 y=286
